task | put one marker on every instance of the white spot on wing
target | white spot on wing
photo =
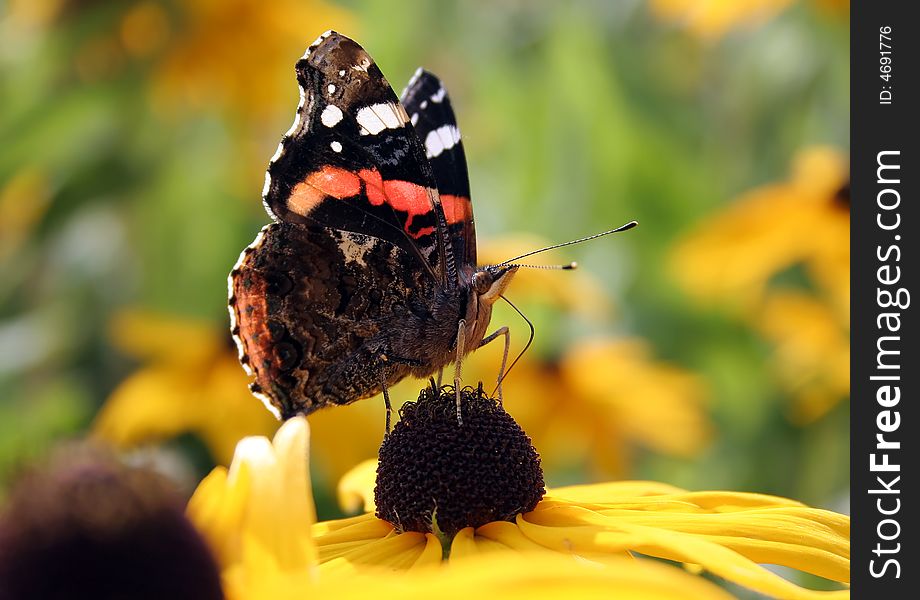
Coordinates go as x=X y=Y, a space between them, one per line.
x=336 y=147
x=377 y=117
x=439 y=95
x=332 y=114
x=331 y=88
x=342 y=73
x=414 y=118
x=441 y=139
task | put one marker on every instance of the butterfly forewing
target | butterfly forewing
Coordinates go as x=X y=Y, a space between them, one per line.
x=431 y=114
x=355 y=285
x=352 y=160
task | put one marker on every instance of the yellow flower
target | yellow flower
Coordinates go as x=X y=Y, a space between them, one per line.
x=812 y=352
x=258 y=517
x=711 y=19
x=732 y=257
x=192 y=382
x=725 y=533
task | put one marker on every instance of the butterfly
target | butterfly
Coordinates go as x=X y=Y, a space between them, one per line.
x=368 y=272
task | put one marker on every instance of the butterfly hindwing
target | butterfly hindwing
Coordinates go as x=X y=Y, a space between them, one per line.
x=311 y=308
x=431 y=113
x=352 y=160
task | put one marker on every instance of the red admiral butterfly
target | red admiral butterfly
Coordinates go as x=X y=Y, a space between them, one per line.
x=368 y=273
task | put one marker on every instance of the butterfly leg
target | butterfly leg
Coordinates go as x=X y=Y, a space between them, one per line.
x=386 y=402
x=386 y=392
x=501 y=373
x=458 y=365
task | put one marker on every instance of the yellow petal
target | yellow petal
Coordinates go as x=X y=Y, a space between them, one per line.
x=532 y=577
x=148 y=335
x=362 y=527
x=610 y=491
x=169 y=398
x=258 y=514
x=786 y=541
x=431 y=555
x=356 y=488
x=217 y=508
x=151 y=404
x=395 y=551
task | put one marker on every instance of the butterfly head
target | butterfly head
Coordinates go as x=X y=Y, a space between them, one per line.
x=490 y=282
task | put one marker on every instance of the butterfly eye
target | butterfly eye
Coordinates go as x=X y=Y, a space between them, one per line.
x=482 y=281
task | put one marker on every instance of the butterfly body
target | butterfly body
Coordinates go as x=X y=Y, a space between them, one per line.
x=368 y=273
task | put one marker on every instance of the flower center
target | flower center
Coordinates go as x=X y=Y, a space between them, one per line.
x=435 y=475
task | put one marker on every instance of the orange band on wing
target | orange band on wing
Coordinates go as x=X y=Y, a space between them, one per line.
x=409 y=197
x=328 y=181
x=373 y=184
x=335 y=182
x=404 y=196
x=457 y=209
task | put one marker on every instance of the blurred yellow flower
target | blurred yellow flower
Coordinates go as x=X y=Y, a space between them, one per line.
x=655 y=404
x=237 y=54
x=192 y=383
x=711 y=19
x=732 y=257
x=24 y=200
x=812 y=352
x=258 y=517
x=603 y=397
x=577 y=292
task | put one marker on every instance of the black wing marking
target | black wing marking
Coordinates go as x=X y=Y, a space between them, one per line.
x=351 y=161
x=431 y=113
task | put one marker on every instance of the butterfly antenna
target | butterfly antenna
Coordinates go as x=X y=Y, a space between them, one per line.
x=625 y=227
x=569 y=267
x=526 y=346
